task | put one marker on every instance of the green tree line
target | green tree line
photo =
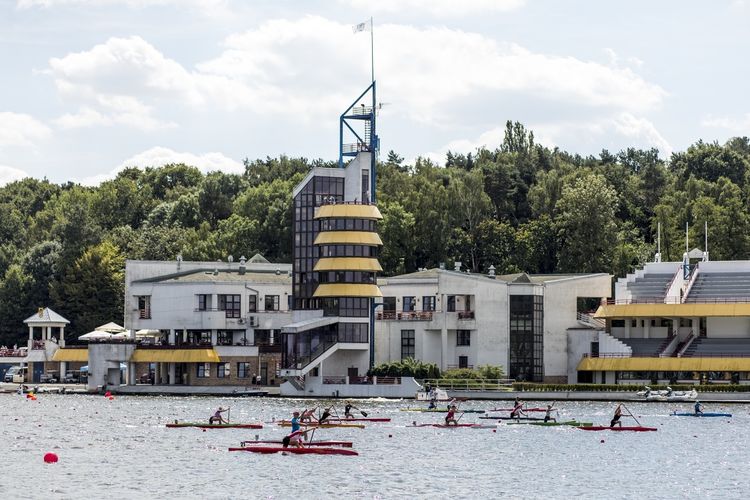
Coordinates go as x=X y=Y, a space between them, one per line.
x=519 y=207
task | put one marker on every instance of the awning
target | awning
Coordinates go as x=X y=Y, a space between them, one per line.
x=174 y=356
x=351 y=211
x=309 y=324
x=348 y=264
x=673 y=310
x=665 y=364
x=76 y=355
x=348 y=238
x=347 y=290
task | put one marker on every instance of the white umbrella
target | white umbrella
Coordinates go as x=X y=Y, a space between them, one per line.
x=111 y=328
x=95 y=335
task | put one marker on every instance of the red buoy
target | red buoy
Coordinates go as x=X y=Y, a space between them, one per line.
x=601 y=441
x=50 y=458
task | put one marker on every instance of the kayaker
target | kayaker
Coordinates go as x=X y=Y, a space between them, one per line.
x=616 y=418
x=217 y=418
x=547 y=416
x=450 y=417
x=295 y=421
x=698 y=408
x=324 y=416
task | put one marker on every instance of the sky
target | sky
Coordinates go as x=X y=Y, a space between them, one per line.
x=89 y=87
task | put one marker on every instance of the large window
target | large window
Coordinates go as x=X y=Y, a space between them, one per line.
x=389 y=304
x=526 y=338
x=204 y=370
x=409 y=303
x=463 y=337
x=272 y=302
x=252 y=305
x=144 y=306
x=346 y=307
x=223 y=370
x=204 y=302
x=407 y=344
x=428 y=303
x=230 y=304
x=451 y=303
x=243 y=369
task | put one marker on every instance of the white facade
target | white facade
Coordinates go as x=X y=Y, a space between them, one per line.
x=470 y=321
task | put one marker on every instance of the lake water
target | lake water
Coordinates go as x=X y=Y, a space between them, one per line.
x=121 y=449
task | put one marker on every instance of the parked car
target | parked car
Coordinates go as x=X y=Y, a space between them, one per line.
x=15 y=374
x=73 y=377
x=49 y=378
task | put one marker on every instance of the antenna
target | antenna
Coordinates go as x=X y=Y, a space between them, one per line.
x=705 y=234
x=657 y=258
x=686 y=236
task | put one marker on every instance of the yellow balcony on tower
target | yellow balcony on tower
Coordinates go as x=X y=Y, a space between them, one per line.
x=348 y=238
x=347 y=290
x=348 y=211
x=348 y=264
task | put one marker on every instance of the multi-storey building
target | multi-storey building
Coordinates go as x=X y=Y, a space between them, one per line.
x=456 y=319
x=671 y=322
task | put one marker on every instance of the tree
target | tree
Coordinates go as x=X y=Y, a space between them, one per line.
x=13 y=306
x=40 y=264
x=91 y=291
x=586 y=226
x=396 y=230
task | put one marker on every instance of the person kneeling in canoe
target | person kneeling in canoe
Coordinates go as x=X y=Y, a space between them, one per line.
x=698 y=408
x=324 y=416
x=295 y=439
x=547 y=416
x=307 y=415
x=616 y=418
x=517 y=409
x=295 y=421
x=348 y=409
x=450 y=417
x=216 y=418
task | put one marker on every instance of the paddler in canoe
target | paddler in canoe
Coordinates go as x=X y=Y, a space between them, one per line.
x=450 y=417
x=295 y=421
x=348 y=409
x=517 y=409
x=698 y=408
x=547 y=416
x=616 y=418
x=325 y=415
x=308 y=415
x=295 y=438
x=216 y=418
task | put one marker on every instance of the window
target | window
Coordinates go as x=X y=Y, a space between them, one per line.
x=463 y=361
x=409 y=303
x=144 y=306
x=224 y=337
x=243 y=369
x=230 y=304
x=204 y=370
x=252 y=305
x=428 y=303
x=463 y=337
x=204 y=302
x=451 y=303
x=389 y=304
x=223 y=370
x=407 y=344
x=272 y=302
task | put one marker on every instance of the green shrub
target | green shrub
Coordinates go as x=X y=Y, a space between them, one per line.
x=533 y=387
x=408 y=367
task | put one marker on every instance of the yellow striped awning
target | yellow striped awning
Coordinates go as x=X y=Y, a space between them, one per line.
x=347 y=290
x=348 y=264
x=348 y=238
x=664 y=364
x=349 y=211
x=174 y=356
x=672 y=310
x=75 y=355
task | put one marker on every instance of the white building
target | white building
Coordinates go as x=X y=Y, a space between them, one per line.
x=455 y=320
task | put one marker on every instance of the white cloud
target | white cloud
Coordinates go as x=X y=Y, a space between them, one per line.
x=440 y=8
x=207 y=5
x=734 y=125
x=160 y=156
x=17 y=129
x=86 y=117
x=10 y=174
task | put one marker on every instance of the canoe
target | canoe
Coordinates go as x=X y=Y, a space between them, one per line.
x=511 y=409
x=675 y=414
x=602 y=428
x=297 y=451
x=572 y=423
x=441 y=410
x=215 y=426
x=359 y=419
x=513 y=418
x=344 y=444
x=444 y=426
x=331 y=425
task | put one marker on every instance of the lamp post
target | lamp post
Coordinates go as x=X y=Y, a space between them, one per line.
x=373 y=306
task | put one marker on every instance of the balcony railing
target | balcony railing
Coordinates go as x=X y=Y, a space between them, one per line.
x=37 y=345
x=404 y=315
x=466 y=315
x=676 y=300
x=10 y=352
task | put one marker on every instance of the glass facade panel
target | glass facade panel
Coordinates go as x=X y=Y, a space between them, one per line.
x=407 y=344
x=526 y=338
x=428 y=303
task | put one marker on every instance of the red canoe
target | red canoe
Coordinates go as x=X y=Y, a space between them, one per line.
x=602 y=428
x=214 y=426
x=295 y=450
x=360 y=419
x=522 y=409
x=345 y=444
x=473 y=426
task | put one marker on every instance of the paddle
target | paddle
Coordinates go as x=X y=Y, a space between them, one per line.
x=633 y=416
x=229 y=413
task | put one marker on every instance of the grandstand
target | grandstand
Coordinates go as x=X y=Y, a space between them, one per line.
x=652 y=286
x=706 y=347
x=718 y=287
x=644 y=348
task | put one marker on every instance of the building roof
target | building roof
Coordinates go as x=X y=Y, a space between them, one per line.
x=509 y=278
x=639 y=364
x=686 y=310
x=212 y=276
x=45 y=316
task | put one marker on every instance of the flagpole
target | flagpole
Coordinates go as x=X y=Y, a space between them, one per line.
x=372 y=50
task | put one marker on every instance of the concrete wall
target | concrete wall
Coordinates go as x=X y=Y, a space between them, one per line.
x=104 y=363
x=728 y=327
x=579 y=343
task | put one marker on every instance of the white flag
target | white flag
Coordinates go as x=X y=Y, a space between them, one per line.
x=365 y=26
